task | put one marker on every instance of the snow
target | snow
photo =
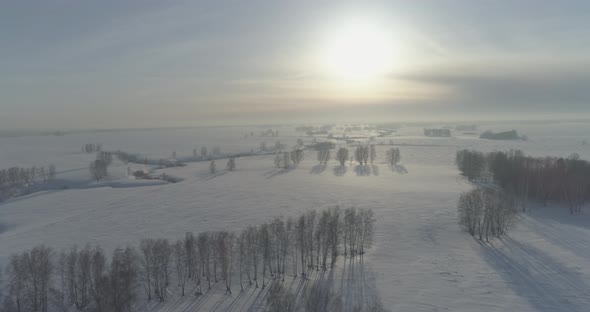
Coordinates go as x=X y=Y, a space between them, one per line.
x=421 y=260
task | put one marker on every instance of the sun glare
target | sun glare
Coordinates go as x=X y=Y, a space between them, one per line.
x=358 y=51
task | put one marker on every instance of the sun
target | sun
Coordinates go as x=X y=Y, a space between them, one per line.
x=358 y=50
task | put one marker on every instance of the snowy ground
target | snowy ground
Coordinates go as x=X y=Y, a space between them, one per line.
x=421 y=260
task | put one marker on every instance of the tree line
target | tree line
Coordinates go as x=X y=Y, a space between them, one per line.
x=92 y=148
x=13 y=179
x=84 y=278
x=558 y=179
x=363 y=154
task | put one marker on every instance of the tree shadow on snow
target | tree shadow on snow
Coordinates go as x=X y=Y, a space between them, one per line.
x=340 y=170
x=277 y=172
x=362 y=170
x=401 y=169
x=558 y=215
x=213 y=175
x=566 y=232
x=318 y=169
x=547 y=284
x=375 y=169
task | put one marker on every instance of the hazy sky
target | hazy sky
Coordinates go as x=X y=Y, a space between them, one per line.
x=99 y=64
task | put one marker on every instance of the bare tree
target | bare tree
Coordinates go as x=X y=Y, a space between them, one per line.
x=323 y=155
x=17 y=279
x=212 y=167
x=265 y=250
x=342 y=155
x=470 y=208
x=181 y=264
x=146 y=248
x=205 y=256
x=297 y=156
x=486 y=212
x=361 y=154
x=367 y=230
x=231 y=164
x=122 y=280
x=393 y=156
x=253 y=243
x=99 y=287
x=98 y=170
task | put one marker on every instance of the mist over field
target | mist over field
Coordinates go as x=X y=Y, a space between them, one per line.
x=294 y=156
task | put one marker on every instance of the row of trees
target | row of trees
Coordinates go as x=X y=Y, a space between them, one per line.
x=276 y=147
x=287 y=159
x=362 y=154
x=79 y=278
x=92 y=148
x=84 y=278
x=564 y=180
x=486 y=211
x=19 y=176
x=203 y=153
x=15 y=181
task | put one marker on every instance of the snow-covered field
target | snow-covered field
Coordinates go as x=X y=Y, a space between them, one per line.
x=421 y=260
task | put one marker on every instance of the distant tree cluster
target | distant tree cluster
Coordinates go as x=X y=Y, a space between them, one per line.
x=15 y=178
x=276 y=147
x=485 y=212
x=130 y=158
x=565 y=180
x=231 y=164
x=444 y=133
x=323 y=156
x=322 y=145
x=92 y=148
x=99 y=167
x=342 y=155
x=393 y=156
x=506 y=135
x=361 y=154
x=285 y=160
x=270 y=133
x=297 y=156
x=84 y=279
